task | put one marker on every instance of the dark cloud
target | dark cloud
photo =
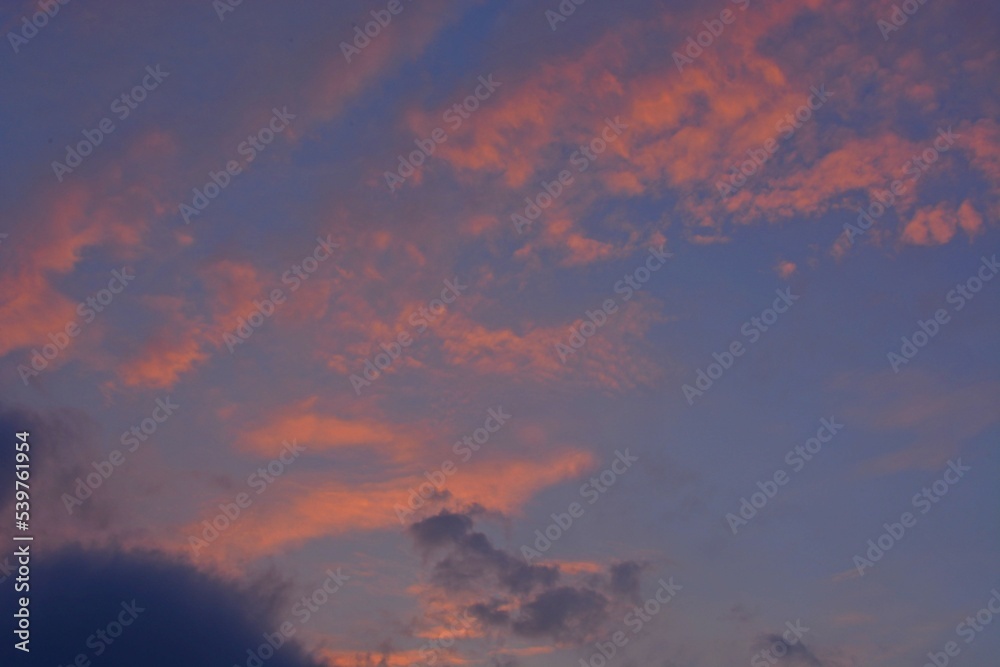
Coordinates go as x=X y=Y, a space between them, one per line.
x=180 y=616
x=441 y=530
x=490 y=613
x=526 y=600
x=471 y=557
x=625 y=579
x=565 y=614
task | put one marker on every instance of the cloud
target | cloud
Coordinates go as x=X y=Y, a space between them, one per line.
x=785 y=269
x=614 y=360
x=305 y=423
x=471 y=557
x=563 y=614
x=937 y=225
x=507 y=594
x=302 y=506
x=679 y=144
x=935 y=422
x=174 y=346
x=62 y=445
x=625 y=578
x=68 y=222
x=179 y=615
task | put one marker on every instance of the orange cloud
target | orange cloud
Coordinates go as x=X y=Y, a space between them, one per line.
x=931 y=226
x=319 y=432
x=937 y=225
x=70 y=219
x=612 y=360
x=785 y=269
x=936 y=418
x=162 y=359
x=294 y=511
x=181 y=337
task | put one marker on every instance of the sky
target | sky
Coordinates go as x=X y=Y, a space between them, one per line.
x=506 y=334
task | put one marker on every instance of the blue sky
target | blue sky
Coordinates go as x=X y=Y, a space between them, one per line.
x=454 y=567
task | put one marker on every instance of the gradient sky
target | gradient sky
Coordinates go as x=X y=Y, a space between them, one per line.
x=642 y=128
